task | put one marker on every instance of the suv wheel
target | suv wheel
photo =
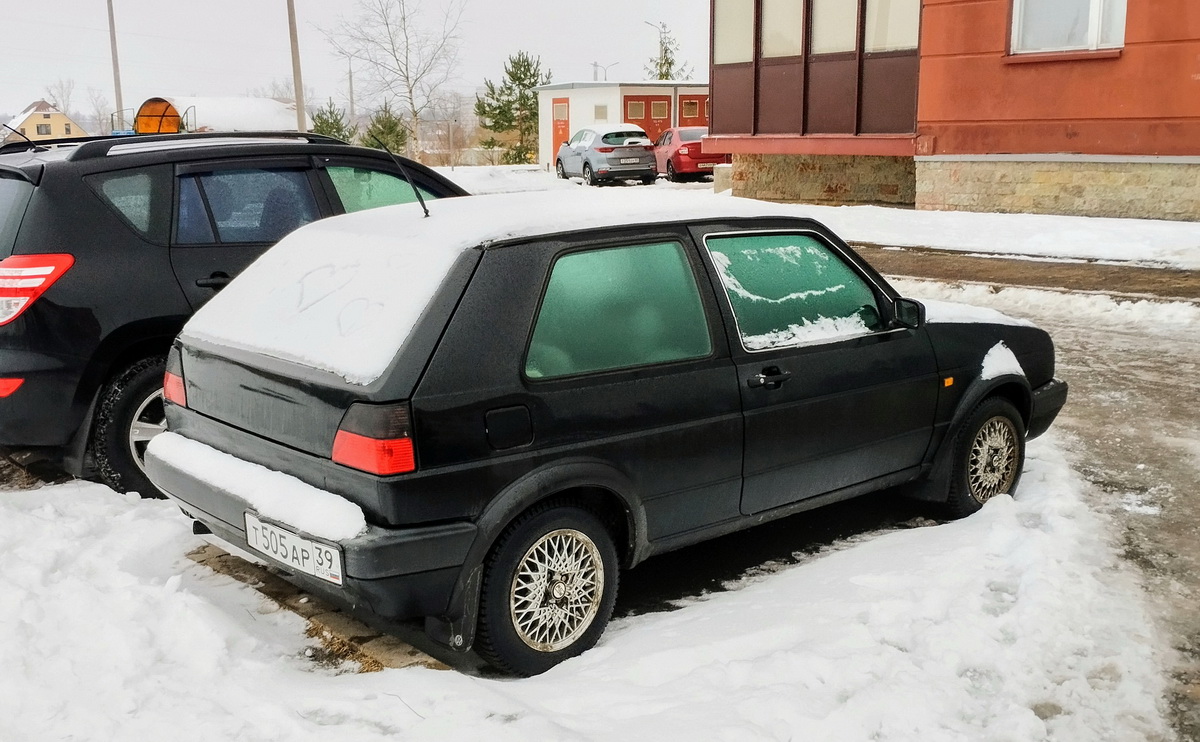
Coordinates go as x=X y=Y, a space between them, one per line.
x=560 y=170
x=129 y=415
x=549 y=587
x=988 y=456
x=589 y=177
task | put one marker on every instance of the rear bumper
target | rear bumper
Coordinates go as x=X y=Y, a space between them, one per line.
x=41 y=416
x=393 y=573
x=1048 y=399
x=702 y=164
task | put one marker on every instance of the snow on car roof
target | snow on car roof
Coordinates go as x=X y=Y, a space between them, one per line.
x=342 y=294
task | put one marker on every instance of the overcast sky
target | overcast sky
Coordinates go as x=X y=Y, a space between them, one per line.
x=233 y=47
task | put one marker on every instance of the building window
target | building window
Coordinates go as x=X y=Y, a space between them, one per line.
x=733 y=31
x=691 y=109
x=1067 y=25
x=66 y=128
x=43 y=130
x=635 y=110
x=783 y=28
x=560 y=111
x=45 y=115
x=834 y=26
x=601 y=114
x=659 y=109
x=892 y=25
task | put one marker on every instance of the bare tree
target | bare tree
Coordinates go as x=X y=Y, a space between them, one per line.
x=284 y=89
x=59 y=95
x=99 y=111
x=453 y=129
x=409 y=56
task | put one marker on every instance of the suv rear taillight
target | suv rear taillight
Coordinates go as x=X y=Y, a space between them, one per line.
x=376 y=439
x=173 y=390
x=23 y=278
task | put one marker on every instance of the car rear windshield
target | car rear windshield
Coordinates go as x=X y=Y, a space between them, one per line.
x=619 y=137
x=692 y=135
x=14 y=197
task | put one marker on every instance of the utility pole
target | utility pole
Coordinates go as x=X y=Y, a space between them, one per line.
x=297 y=80
x=112 y=39
x=350 y=72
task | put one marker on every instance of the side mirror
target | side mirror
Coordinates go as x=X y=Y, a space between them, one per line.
x=908 y=313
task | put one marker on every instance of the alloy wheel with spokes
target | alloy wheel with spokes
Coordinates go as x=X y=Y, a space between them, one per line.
x=993 y=459
x=149 y=420
x=557 y=590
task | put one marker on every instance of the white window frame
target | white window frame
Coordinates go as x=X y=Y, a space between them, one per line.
x=1096 y=14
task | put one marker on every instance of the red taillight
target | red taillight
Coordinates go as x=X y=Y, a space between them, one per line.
x=649 y=148
x=376 y=439
x=173 y=390
x=605 y=150
x=683 y=150
x=23 y=278
x=8 y=386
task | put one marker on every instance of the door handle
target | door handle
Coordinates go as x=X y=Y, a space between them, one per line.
x=215 y=281
x=770 y=378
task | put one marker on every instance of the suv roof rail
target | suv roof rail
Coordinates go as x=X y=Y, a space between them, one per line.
x=21 y=145
x=99 y=147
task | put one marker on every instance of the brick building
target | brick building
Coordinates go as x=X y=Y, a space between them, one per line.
x=1050 y=106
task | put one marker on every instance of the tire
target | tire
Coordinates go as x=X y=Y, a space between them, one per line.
x=589 y=177
x=671 y=174
x=560 y=170
x=518 y=573
x=129 y=414
x=989 y=453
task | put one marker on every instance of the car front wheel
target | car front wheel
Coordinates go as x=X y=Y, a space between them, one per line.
x=989 y=454
x=129 y=415
x=560 y=170
x=549 y=587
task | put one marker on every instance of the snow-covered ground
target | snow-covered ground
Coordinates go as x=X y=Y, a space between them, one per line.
x=1018 y=623
x=1143 y=241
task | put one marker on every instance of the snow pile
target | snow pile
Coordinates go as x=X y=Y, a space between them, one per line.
x=489 y=179
x=270 y=493
x=1017 y=623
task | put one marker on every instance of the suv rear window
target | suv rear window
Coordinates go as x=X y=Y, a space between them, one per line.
x=619 y=137
x=14 y=197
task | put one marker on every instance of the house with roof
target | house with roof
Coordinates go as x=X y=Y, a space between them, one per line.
x=1087 y=107
x=40 y=120
x=654 y=105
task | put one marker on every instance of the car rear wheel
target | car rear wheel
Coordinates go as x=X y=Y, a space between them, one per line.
x=560 y=170
x=671 y=174
x=129 y=415
x=989 y=454
x=549 y=587
x=589 y=177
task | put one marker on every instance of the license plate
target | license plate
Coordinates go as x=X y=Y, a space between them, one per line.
x=310 y=557
x=705 y=164
x=630 y=160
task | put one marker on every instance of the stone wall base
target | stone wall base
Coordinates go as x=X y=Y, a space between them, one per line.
x=1139 y=190
x=825 y=179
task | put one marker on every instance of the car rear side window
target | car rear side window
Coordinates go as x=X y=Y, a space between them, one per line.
x=361 y=188
x=14 y=197
x=244 y=205
x=617 y=308
x=788 y=289
x=141 y=196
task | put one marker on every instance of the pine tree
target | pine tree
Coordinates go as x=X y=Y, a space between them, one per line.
x=511 y=108
x=331 y=121
x=388 y=128
x=663 y=67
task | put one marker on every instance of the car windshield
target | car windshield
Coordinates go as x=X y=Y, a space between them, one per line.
x=619 y=137
x=14 y=197
x=692 y=135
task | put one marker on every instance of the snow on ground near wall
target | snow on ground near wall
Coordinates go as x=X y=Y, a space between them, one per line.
x=1017 y=623
x=1149 y=241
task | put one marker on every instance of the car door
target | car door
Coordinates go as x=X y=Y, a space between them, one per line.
x=833 y=393
x=572 y=155
x=227 y=213
x=662 y=151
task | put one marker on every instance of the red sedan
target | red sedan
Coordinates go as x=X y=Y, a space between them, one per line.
x=677 y=153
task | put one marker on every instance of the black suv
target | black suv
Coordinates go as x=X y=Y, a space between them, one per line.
x=479 y=417
x=108 y=245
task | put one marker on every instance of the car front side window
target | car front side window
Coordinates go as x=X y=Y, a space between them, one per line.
x=791 y=289
x=618 y=307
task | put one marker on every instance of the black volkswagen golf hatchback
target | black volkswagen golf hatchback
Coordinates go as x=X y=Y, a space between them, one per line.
x=108 y=245
x=481 y=416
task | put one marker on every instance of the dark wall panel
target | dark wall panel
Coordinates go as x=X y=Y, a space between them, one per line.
x=732 y=99
x=832 y=89
x=889 y=94
x=781 y=98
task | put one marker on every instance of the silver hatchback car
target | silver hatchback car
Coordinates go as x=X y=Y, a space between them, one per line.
x=608 y=152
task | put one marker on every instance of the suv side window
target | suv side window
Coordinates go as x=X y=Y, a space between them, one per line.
x=140 y=196
x=618 y=307
x=788 y=289
x=362 y=188
x=243 y=206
